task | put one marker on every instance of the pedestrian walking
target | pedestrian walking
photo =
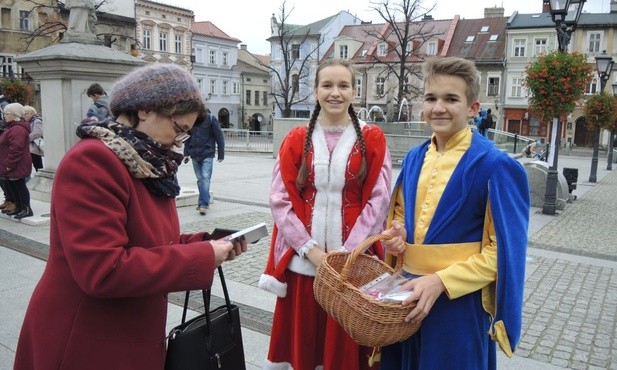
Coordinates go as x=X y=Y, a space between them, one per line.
x=206 y=139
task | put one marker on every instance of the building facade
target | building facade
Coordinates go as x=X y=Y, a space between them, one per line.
x=295 y=59
x=256 y=105
x=215 y=58
x=163 y=33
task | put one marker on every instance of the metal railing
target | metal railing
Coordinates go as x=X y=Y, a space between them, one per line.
x=507 y=141
x=248 y=141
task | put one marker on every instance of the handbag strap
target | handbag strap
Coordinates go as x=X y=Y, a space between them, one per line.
x=206 y=297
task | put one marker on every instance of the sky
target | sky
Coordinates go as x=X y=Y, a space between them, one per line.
x=249 y=20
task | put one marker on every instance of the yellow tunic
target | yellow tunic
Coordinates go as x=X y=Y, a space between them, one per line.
x=477 y=269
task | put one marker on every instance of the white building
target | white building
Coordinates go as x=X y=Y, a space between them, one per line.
x=215 y=56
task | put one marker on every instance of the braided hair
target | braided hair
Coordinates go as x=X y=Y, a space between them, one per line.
x=303 y=170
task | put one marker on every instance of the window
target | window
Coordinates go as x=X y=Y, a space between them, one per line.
x=431 y=48
x=540 y=46
x=343 y=51
x=295 y=83
x=7 y=65
x=212 y=87
x=594 y=85
x=264 y=98
x=178 y=44
x=484 y=29
x=517 y=87
x=5 y=17
x=247 y=100
x=358 y=87
x=256 y=98
x=225 y=58
x=470 y=38
x=200 y=83
x=493 y=38
x=383 y=50
x=295 y=51
x=199 y=55
x=212 y=56
x=595 y=40
x=493 y=86
x=24 y=20
x=379 y=85
x=235 y=88
x=146 y=39
x=163 y=41
x=519 y=47
x=225 y=88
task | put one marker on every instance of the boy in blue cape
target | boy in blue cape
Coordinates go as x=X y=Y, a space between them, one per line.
x=459 y=218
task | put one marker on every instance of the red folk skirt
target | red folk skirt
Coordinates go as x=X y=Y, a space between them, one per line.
x=304 y=337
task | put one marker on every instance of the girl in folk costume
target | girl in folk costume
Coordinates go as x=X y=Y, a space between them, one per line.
x=330 y=191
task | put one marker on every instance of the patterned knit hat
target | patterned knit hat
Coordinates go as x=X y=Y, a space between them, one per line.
x=152 y=88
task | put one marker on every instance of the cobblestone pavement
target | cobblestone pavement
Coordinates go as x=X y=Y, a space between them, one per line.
x=571 y=279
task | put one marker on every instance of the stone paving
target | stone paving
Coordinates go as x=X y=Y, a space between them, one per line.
x=571 y=279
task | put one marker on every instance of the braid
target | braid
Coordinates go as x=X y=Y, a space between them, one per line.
x=356 y=125
x=303 y=170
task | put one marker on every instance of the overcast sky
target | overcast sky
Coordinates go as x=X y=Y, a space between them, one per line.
x=249 y=20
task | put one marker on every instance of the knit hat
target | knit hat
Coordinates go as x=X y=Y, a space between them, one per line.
x=16 y=109
x=152 y=88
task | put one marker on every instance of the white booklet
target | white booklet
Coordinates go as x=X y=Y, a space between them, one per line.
x=251 y=234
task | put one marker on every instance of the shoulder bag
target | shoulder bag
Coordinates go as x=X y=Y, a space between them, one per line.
x=209 y=341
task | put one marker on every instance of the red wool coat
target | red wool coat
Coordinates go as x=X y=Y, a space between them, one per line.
x=15 y=159
x=115 y=253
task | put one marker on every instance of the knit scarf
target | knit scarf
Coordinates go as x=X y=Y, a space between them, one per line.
x=145 y=159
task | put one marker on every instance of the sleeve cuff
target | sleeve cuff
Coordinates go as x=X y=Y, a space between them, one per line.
x=306 y=247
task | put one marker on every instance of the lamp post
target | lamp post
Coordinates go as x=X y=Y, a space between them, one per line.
x=604 y=66
x=565 y=14
x=609 y=165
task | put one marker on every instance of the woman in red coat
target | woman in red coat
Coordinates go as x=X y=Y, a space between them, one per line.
x=115 y=243
x=15 y=160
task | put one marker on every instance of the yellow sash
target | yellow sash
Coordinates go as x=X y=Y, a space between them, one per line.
x=426 y=259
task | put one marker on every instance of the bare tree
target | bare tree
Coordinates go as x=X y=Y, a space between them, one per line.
x=293 y=70
x=404 y=34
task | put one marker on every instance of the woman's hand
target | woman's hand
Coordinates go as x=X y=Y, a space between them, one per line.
x=315 y=256
x=397 y=244
x=227 y=250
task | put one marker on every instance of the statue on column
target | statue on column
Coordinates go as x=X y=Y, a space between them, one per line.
x=82 y=19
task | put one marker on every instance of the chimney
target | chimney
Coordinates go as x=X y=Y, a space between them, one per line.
x=494 y=12
x=242 y=46
x=546 y=7
x=427 y=17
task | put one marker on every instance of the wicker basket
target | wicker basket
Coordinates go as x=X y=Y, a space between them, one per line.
x=369 y=322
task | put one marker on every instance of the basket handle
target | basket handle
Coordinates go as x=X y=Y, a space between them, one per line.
x=361 y=249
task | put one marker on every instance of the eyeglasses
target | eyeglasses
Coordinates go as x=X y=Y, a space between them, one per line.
x=181 y=134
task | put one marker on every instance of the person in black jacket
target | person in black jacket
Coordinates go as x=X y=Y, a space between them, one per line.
x=206 y=139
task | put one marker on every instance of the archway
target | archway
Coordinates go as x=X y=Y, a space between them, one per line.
x=583 y=137
x=224 y=118
x=256 y=122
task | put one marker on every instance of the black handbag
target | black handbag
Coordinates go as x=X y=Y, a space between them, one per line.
x=209 y=341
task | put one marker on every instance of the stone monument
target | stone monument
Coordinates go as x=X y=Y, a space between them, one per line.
x=65 y=71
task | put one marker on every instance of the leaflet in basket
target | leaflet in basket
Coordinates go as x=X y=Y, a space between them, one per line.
x=387 y=288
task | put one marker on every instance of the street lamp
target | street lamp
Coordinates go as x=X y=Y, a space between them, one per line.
x=604 y=66
x=609 y=165
x=565 y=14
